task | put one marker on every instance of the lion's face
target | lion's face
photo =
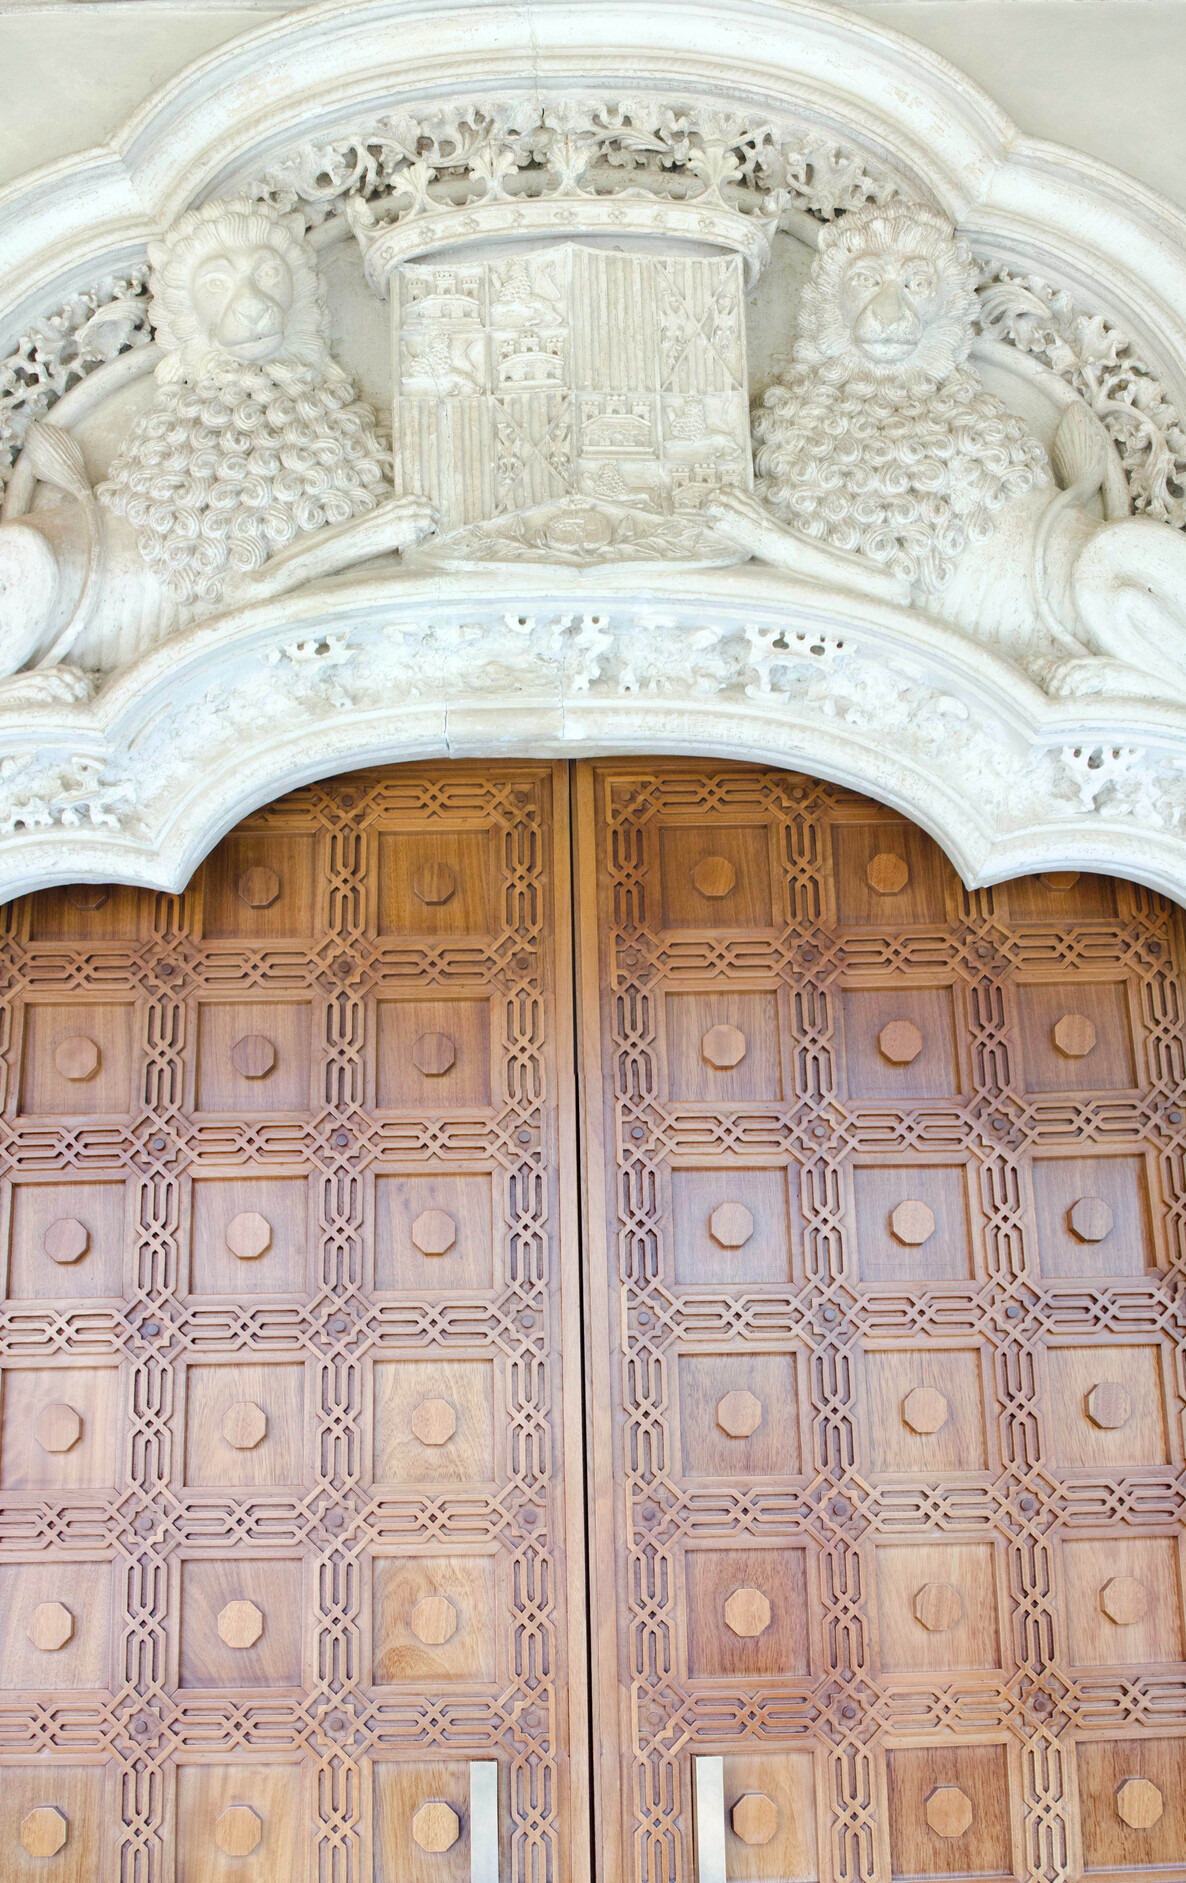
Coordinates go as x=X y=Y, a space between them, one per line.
x=891 y=297
x=889 y=302
x=234 y=279
x=242 y=298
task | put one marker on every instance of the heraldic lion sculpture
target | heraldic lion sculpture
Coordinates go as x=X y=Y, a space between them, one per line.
x=883 y=445
x=255 y=470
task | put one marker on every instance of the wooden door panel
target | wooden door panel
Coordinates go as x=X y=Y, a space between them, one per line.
x=886 y=1192
x=287 y=1365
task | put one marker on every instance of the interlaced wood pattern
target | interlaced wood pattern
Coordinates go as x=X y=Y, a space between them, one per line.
x=886 y=1343
x=282 y=1532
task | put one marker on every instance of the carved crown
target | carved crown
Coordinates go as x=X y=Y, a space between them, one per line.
x=489 y=170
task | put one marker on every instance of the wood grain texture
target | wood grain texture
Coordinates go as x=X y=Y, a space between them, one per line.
x=942 y=1652
x=244 y=1326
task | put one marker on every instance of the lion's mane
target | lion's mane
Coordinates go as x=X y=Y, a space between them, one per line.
x=234 y=461
x=906 y=463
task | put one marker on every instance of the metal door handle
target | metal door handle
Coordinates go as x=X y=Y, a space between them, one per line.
x=710 y=1819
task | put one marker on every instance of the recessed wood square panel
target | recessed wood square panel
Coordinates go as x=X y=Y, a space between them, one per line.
x=747 y=1612
x=1060 y=898
x=433 y=1053
x=931 y=1774
x=1108 y=1065
x=895 y=1240
x=76 y=1793
x=269 y=1587
x=400 y=1792
x=739 y=1415
x=708 y=1247
x=715 y=877
x=57 y=1625
x=452 y=1403
x=439 y=882
x=1125 y=1423
x=1124 y=1600
x=206 y=1794
x=702 y=1045
x=60 y=1428
x=232 y=1034
x=62 y=1218
x=868 y=855
x=433 y=1619
x=259 y=885
x=937 y=1606
x=791 y=1853
x=226 y=1405
x=416 y=1217
x=949 y=1430
x=1106 y=1767
x=88 y=912
x=77 y=1060
x=1093 y=1216
x=233 y=1253
x=876 y=1062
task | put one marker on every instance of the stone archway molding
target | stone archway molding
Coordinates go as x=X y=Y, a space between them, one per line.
x=138 y=783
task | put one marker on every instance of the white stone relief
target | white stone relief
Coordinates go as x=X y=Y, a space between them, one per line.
x=40 y=790
x=570 y=404
x=883 y=444
x=569 y=275
x=255 y=452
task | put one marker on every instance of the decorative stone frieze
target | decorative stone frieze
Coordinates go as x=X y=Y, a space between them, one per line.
x=221 y=578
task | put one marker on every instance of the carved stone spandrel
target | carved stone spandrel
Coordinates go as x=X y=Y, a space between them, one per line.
x=66 y=1240
x=436 y=1826
x=51 y=1626
x=44 y=1831
x=240 y=1624
x=747 y=1612
x=731 y=1225
x=1139 y=1804
x=754 y=1818
x=253 y=1056
x=723 y=1047
x=77 y=1058
x=924 y=1410
x=714 y=877
x=900 y=1042
x=739 y=1414
x=949 y=1811
x=238 y=1830
x=248 y=1235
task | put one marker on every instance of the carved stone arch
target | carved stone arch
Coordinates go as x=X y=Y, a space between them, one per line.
x=136 y=783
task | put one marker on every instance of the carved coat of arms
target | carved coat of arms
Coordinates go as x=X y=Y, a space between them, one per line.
x=571 y=402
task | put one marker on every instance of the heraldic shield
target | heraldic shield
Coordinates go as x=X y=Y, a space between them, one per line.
x=573 y=403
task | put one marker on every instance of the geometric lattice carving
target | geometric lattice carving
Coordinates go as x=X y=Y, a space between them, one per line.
x=220 y=1326
x=982 y=1422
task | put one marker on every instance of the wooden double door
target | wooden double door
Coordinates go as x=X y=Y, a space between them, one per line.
x=616 y=1321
